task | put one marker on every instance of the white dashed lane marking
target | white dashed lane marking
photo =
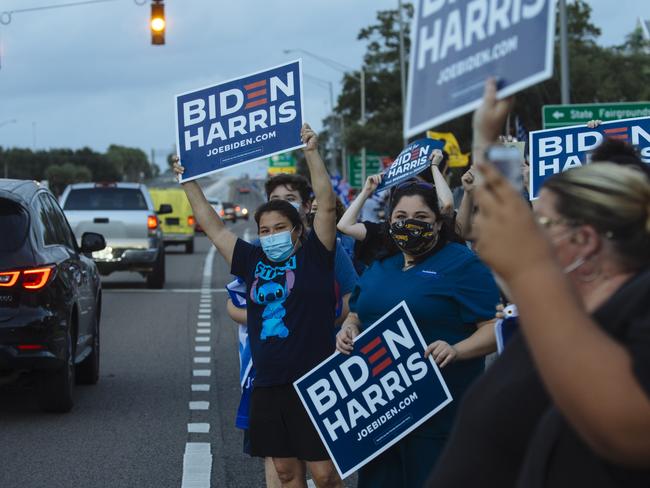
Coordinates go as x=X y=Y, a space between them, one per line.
x=200 y=387
x=198 y=428
x=202 y=349
x=199 y=405
x=202 y=360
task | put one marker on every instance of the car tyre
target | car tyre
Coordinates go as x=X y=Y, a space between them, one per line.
x=56 y=387
x=156 y=279
x=189 y=247
x=88 y=371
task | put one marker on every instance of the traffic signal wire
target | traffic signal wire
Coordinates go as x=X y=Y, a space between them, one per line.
x=6 y=16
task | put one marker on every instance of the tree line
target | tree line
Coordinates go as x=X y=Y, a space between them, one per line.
x=61 y=167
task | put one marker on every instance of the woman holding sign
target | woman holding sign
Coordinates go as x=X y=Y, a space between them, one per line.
x=290 y=283
x=451 y=296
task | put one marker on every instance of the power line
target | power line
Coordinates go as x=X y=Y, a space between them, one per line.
x=5 y=17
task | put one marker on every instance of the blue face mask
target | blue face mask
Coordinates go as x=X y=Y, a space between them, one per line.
x=277 y=247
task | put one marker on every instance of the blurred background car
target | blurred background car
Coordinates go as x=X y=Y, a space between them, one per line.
x=241 y=212
x=228 y=211
x=179 y=226
x=50 y=296
x=124 y=214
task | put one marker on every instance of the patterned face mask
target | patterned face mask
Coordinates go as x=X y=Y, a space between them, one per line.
x=413 y=236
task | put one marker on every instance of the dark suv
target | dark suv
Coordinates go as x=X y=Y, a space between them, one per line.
x=50 y=295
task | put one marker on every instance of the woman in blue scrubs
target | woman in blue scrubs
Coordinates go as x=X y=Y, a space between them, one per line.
x=452 y=298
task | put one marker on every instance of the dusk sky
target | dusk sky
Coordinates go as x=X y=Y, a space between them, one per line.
x=88 y=75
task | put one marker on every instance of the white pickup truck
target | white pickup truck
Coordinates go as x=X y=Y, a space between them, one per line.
x=124 y=214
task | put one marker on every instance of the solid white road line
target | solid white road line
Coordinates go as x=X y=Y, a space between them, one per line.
x=202 y=360
x=201 y=372
x=202 y=348
x=198 y=428
x=197 y=465
x=200 y=387
x=199 y=405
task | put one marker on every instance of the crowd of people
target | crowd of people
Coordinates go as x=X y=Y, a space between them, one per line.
x=567 y=403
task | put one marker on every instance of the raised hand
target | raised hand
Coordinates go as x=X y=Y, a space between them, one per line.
x=309 y=137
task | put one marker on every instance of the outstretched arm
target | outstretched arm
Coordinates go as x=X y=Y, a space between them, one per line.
x=445 y=197
x=348 y=223
x=213 y=226
x=325 y=219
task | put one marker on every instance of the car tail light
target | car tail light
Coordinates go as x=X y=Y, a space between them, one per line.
x=222 y=212
x=30 y=347
x=152 y=222
x=190 y=221
x=237 y=208
x=8 y=278
x=37 y=278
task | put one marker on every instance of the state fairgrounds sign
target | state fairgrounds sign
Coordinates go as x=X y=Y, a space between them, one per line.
x=240 y=120
x=457 y=45
x=364 y=403
x=553 y=151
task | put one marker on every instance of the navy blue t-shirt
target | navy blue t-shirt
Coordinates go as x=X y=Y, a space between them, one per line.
x=448 y=294
x=291 y=308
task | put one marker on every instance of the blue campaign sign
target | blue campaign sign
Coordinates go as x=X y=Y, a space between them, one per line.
x=413 y=159
x=364 y=403
x=555 y=150
x=457 y=45
x=240 y=120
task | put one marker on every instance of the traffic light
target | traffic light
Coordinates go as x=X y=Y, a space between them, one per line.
x=157 y=23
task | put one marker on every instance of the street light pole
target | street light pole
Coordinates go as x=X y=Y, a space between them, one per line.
x=331 y=93
x=362 y=80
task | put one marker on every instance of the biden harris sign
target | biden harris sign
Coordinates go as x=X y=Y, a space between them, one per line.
x=553 y=151
x=363 y=403
x=241 y=120
x=458 y=44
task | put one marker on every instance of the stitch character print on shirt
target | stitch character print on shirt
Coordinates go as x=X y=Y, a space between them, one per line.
x=272 y=295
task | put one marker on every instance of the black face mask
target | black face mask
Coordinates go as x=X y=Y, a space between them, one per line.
x=413 y=236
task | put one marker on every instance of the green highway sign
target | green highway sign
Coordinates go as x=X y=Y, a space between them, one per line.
x=564 y=115
x=373 y=166
x=282 y=163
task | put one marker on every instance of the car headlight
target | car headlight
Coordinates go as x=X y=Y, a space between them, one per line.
x=104 y=254
x=244 y=211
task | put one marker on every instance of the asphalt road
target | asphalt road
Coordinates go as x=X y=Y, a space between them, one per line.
x=131 y=429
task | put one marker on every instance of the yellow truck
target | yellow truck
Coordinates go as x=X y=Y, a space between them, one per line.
x=178 y=226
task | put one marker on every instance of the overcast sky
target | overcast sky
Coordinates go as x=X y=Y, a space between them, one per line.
x=88 y=75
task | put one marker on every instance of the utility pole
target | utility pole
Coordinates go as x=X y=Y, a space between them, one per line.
x=564 y=55
x=402 y=63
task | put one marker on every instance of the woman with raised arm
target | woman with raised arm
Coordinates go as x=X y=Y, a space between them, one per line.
x=290 y=285
x=568 y=401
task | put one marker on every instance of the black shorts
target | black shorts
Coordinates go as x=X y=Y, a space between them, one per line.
x=280 y=426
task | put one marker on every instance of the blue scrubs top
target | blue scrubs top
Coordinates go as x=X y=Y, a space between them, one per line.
x=447 y=293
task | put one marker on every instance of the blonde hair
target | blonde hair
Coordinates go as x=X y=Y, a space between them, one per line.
x=613 y=199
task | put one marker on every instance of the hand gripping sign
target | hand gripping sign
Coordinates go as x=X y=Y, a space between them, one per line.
x=364 y=403
x=240 y=120
x=553 y=151
x=413 y=159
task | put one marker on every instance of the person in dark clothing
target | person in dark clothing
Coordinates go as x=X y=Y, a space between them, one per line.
x=568 y=402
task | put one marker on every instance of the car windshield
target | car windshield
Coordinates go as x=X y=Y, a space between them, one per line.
x=14 y=224
x=105 y=199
